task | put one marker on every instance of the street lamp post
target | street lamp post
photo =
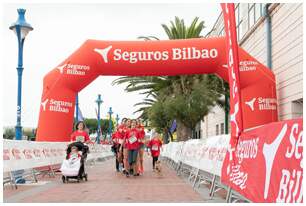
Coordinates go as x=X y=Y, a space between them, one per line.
x=99 y=102
x=76 y=108
x=117 y=120
x=110 y=125
x=21 y=29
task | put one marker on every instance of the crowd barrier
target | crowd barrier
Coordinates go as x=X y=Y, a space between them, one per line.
x=201 y=160
x=31 y=155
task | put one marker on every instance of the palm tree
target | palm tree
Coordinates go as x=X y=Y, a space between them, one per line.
x=159 y=88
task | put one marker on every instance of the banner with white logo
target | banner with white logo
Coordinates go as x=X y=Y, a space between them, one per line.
x=22 y=154
x=206 y=154
x=158 y=58
x=266 y=165
x=228 y=10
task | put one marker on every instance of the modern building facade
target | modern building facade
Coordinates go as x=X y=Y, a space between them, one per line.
x=273 y=34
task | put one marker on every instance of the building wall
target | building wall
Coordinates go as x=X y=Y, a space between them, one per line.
x=212 y=124
x=287 y=58
x=287 y=55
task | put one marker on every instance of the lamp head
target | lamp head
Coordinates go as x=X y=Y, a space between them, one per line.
x=21 y=25
x=99 y=100
x=110 y=110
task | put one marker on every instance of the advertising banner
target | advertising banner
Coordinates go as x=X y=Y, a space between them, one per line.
x=267 y=164
x=233 y=71
x=206 y=154
x=22 y=154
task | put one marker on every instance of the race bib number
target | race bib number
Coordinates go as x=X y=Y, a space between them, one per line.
x=155 y=148
x=132 y=139
x=79 y=139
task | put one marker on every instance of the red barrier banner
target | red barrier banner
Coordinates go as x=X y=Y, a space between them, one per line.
x=266 y=165
x=233 y=71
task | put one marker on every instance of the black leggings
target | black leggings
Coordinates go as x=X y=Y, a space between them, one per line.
x=116 y=150
x=154 y=161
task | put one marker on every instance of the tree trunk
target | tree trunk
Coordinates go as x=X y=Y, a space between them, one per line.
x=166 y=136
x=183 y=133
x=171 y=136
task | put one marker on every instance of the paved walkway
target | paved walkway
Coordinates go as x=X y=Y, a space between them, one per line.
x=106 y=185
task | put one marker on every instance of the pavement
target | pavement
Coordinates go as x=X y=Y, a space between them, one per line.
x=106 y=185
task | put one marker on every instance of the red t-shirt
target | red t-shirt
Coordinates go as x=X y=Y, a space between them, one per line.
x=115 y=137
x=141 y=133
x=79 y=136
x=132 y=139
x=155 y=146
x=69 y=155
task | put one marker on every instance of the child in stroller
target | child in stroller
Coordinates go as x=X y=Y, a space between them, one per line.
x=73 y=167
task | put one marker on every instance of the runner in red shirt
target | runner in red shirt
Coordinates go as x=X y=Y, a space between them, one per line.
x=80 y=135
x=123 y=129
x=116 y=146
x=132 y=145
x=155 y=145
x=142 y=133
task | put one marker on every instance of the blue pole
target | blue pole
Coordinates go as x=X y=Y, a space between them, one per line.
x=110 y=125
x=18 y=128
x=77 y=108
x=99 y=101
x=21 y=28
x=269 y=36
x=117 y=120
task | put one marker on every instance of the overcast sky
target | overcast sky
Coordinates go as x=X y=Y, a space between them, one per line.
x=59 y=29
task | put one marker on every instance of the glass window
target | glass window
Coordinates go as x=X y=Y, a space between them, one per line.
x=258 y=11
x=297 y=108
x=217 y=129
x=237 y=13
x=251 y=15
x=238 y=21
x=222 y=128
x=244 y=19
x=221 y=33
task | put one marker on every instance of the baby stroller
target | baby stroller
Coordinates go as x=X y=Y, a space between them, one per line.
x=75 y=169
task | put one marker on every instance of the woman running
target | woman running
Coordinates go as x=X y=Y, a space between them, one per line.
x=116 y=146
x=80 y=134
x=155 y=145
x=125 y=130
x=121 y=135
x=141 y=132
x=132 y=144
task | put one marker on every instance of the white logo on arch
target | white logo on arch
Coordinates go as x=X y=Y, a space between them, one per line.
x=104 y=53
x=251 y=103
x=44 y=103
x=61 y=68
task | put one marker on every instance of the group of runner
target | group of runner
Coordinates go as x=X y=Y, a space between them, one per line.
x=129 y=145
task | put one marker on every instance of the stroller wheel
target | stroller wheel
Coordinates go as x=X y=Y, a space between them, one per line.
x=64 y=179
x=86 y=177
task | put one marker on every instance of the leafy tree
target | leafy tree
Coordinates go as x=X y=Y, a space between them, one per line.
x=92 y=125
x=29 y=133
x=186 y=98
x=9 y=133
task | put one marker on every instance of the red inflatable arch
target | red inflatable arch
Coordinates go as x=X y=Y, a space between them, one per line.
x=136 y=58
